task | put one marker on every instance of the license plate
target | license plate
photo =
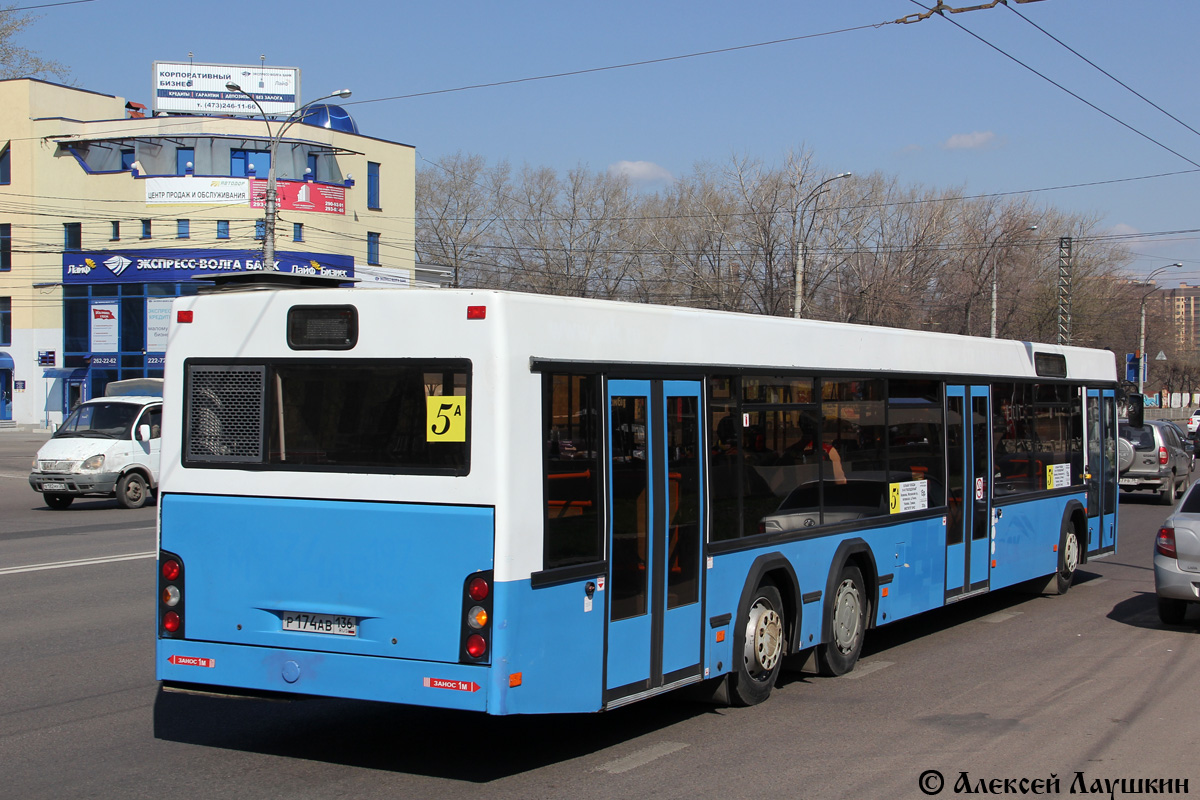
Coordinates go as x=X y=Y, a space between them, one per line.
x=1128 y=482
x=62 y=487
x=320 y=623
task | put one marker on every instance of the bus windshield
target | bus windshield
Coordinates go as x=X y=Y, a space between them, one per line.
x=99 y=421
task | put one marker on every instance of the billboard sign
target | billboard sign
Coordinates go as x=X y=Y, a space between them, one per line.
x=322 y=198
x=200 y=89
x=197 y=191
x=177 y=266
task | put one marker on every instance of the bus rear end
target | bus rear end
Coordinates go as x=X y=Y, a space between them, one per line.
x=319 y=533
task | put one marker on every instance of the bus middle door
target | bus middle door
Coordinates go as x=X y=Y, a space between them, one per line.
x=655 y=536
x=969 y=462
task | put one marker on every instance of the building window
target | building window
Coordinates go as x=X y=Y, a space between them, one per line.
x=222 y=229
x=241 y=161
x=72 y=236
x=5 y=247
x=5 y=321
x=373 y=249
x=183 y=229
x=127 y=159
x=312 y=165
x=183 y=157
x=260 y=228
x=116 y=232
x=6 y=164
x=373 y=185
x=145 y=229
x=297 y=231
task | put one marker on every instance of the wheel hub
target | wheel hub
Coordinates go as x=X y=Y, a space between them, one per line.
x=847 y=609
x=764 y=640
x=1070 y=554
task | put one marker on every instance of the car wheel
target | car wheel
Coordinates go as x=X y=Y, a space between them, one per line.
x=58 y=501
x=131 y=490
x=1171 y=611
x=847 y=625
x=762 y=653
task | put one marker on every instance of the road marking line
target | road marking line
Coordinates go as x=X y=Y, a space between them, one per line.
x=1000 y=616
x=15 y=475
x=640 y=758
x=865 y=668
x=83 y=562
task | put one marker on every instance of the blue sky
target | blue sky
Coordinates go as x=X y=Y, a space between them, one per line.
x=925 y=102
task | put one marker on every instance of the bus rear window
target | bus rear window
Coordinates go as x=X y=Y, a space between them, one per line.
x=346 y=415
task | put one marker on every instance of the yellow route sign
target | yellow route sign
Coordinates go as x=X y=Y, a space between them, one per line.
x=445 y=419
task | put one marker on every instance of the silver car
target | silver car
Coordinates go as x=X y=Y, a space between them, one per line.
x=1154 y=457
x=1177 y=560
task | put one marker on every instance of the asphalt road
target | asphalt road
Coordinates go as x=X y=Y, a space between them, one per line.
x=1007 y=686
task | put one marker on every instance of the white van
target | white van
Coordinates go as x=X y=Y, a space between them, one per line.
x=108 y=446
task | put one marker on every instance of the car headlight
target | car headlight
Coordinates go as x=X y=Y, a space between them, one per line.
x=93 y=463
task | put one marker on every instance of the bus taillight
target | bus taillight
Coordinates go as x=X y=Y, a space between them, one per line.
x=170 y=596
x=477 y=618
x=476 y=646
x=478 y=589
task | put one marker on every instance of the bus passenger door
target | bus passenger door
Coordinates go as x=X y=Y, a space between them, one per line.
x=969 y=493
x=1101 y=471
x=655 y=535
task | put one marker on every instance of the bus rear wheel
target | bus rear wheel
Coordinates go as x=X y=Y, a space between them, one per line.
x=847 y=625
x=763 y=650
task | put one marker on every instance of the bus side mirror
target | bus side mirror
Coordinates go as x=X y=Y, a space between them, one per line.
x=143 y=433
x=1137 y=411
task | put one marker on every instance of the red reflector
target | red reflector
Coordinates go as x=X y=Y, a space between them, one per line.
x=477 y=589
x=183 y=316
x=476 y=312
x=170 y=569
x=476 y=645
x=171 y=622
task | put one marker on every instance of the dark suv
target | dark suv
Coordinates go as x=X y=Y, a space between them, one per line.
x=1154 y=457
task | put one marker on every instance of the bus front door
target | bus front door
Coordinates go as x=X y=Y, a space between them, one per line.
x=969 y=495
x=655 y=535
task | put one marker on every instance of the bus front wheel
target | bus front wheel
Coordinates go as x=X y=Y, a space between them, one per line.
x=847 y=625
x=1068 y=558
x=763 y=650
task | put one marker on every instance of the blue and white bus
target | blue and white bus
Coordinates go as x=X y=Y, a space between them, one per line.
x=516 y=504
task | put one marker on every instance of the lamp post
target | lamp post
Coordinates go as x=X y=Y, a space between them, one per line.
x=798 y=281
x=269 y=204
x=1141 y=352
x=996 y=274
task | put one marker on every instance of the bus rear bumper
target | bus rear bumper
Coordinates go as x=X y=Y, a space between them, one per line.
x=266 y=672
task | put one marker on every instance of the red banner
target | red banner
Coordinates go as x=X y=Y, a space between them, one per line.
x=321 y=198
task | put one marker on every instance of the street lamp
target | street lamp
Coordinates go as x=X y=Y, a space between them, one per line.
x=996 y=273
x=1141 y=353
x=288 y=121
x=798 y=281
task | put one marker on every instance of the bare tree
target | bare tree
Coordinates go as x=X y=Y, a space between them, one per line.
x=21 y=62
